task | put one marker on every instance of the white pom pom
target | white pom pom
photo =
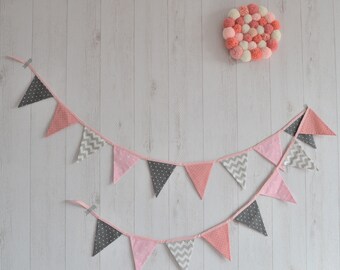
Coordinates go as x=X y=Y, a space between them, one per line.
x=245 y=28
x=263 y=11
x=244 y=45
x=246 y=56
x=234 y=13
x=276 y=34
x=262 y=44
x=260 y=30
x=248 y=18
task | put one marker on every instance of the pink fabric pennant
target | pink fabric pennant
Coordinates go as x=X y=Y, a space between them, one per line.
x=199 y=175
x=314 y=125
x=270 y=149
x=276 y=187
x=62 y=118
x=141 y=249
x=219 y=239
x=122 y=161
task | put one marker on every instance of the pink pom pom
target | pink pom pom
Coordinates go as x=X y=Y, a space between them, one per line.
x=252 y=45
x=247 y=37
x=276 y=25
x=253 y=24
x=231 y=43
x=263 y=21
x=228 y=22
x=239 y=36
x=270 y=17
x=272 y=44
x=257 y=38
x=266 y=53
x=240 y=21
x=256 y=17
x=228 y=32
x=253 y=8
x=243 y=10
x=266 y=37
x=268 y=28
x=237 y=28
x=256 y=54
x=236 y=52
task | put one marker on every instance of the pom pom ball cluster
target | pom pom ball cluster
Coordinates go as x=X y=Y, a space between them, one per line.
x=251 y=33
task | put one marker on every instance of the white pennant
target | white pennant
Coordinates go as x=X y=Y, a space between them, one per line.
x=182 y=251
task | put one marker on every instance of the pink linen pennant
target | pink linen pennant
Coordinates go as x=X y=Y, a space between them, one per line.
x=270 y=149
x=62 y=118
x=276 y=187
x=122 y=161
x=199 y=174
x=314 y=125
x=219 y=239
x=141 y=249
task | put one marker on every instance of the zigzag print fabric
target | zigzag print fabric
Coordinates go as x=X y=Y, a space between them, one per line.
x=298 y=158
x=237 y=167
x=90 y=143
x=182 y=252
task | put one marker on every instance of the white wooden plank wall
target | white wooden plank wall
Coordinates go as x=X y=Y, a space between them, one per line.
x=154 y=76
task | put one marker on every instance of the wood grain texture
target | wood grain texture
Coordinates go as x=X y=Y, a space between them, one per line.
x=154 y=76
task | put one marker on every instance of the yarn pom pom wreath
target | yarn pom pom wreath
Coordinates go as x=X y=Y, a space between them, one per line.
x=251 y=33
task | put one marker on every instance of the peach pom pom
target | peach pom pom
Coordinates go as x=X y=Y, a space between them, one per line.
x=252 y=45
x=266 y=37
x=239 y=36
x=263 y=11
x=228 y=32
x=247 y=37
x=247 y=18
x=228 y=22
x=268 y=28
x=256 y=17
x=253 y=8
x=266 y=53
x=231 y=43
x=237 y=28
x=257 y=38
x=246 y=56
x=252 y=32
x=270 y=17
x=256 y=54
x=245 y=28
x=236 y=52
x=263 y=21
x=276 y=25
x=272 y=44
x=243 y=10
x=240 y=21
x=253 y=24
x=234 y=13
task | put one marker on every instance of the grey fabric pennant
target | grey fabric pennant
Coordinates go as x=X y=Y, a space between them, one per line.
x=251 y=217
x=182 y=251
x=36 y=91
x=306 y=138
x=105 y=235
x=90 y=143
x=298 y=158
x=237 y=167
x=160 y=173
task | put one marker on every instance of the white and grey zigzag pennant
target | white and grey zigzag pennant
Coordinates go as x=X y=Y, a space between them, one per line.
x=182 y=251
x=298 y=158
x=90 y=143
x=237 y=167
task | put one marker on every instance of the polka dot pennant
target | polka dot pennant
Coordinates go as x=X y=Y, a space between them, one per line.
x=306 y=138
x=36 y=91
x=160 y=173
x=314 y=125
x=251 y=217
x=105 y=235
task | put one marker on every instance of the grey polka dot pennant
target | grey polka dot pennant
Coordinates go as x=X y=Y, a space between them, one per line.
x=160 y=173
x=251 y=217
x=105 y=235
x=36 y=91
x=306 y=138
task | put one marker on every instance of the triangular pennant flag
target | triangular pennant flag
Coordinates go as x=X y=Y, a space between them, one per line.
x=182 y=251
x=160 y=173
x=105 y=235
x=36 y=91
x=276 y=187
x=90 y=143
x=199 y=174
x=298 y=158
x=270 y=149
x=306 y=138
x=314 y=125
x=219 y=239
x=141 y=249
x=237 y=167
x=62 y=118
x=251 y=217
x=123 y=161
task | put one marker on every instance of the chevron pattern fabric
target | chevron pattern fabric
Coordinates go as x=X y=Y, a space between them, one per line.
x=90 y=143
x=237 y=167
x=182 y=252
x=298 y=158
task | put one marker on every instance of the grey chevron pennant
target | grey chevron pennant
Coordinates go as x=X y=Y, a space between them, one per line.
x=306 y=138
x=237 y=167
x=298 y=158
x=90 y=143
x=182 y=251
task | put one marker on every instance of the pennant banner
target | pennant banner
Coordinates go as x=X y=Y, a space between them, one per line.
x=270 y=149
x=251 y=217
x=219 y=239
x=314 y=125
x=90 y=143
x=237 y=167
x=37 y=91
x=141 y=250
x=105 y=235
x=122 y=161
x=199 y=174
x=276 y=187
x=298 y=158
x=182 y=251
x=160 y=173
x=62 y=118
